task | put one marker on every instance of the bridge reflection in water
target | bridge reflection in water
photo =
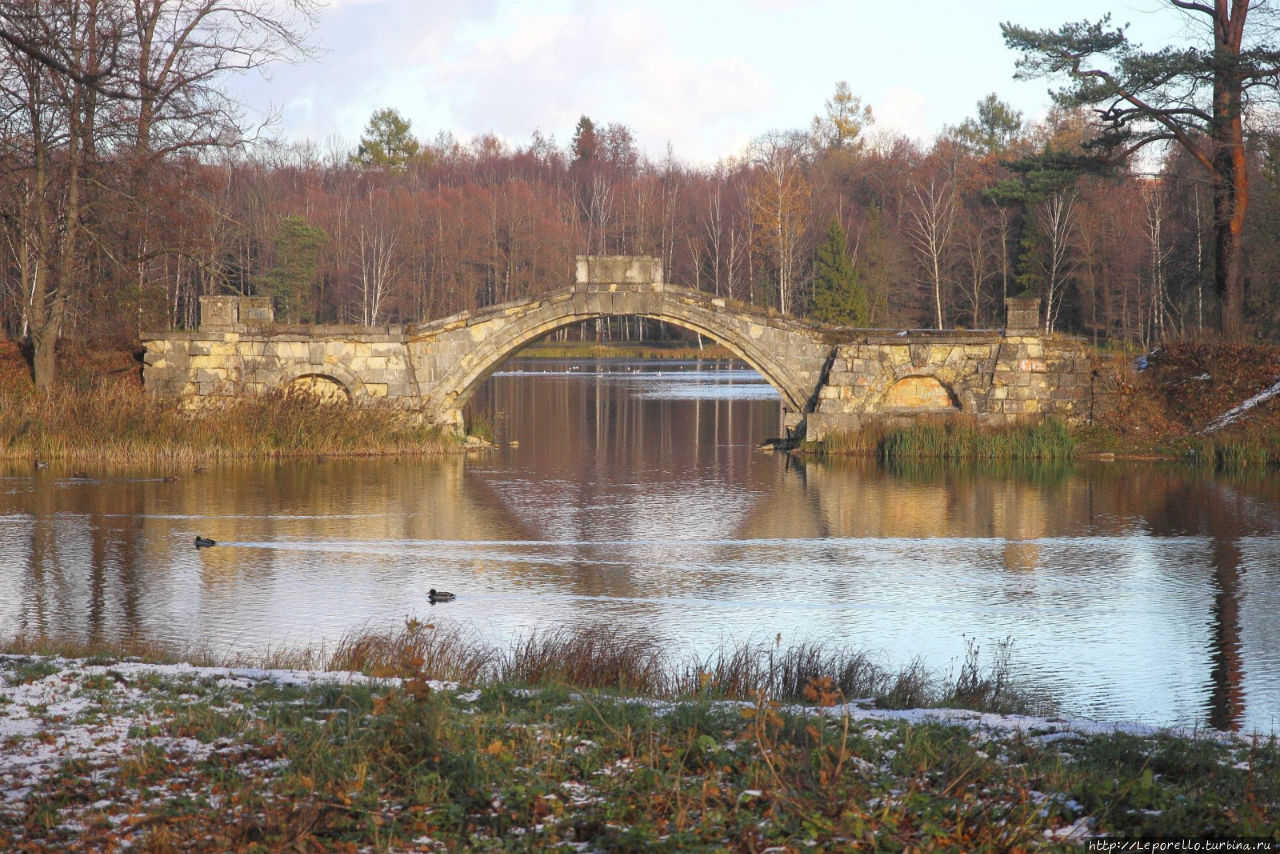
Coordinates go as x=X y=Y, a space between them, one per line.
x=1129 y=591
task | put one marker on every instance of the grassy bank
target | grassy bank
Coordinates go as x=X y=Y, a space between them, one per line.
x=1051 y=442
x=120 y=424
x=602 y=657
x=103 y=753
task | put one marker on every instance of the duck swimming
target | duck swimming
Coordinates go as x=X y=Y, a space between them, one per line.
x=439 y=596
x=204 y=542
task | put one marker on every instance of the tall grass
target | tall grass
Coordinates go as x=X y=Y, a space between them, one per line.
x=596 y=656
x=415 y=649
x=1049 y=440
x=602 y=656
x=115 y=423
x=1234 y=453
x=953 y=439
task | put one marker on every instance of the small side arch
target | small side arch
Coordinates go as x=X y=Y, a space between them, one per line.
x=919 y=393
x=321 y=387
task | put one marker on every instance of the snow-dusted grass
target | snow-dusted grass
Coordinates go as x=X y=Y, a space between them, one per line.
x=104 y=755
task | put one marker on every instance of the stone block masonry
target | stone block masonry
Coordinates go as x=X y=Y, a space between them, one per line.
x=994 y=378
x=830 y=379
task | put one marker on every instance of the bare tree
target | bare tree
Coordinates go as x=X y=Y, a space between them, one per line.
x=779 y=204
x=1056 y=218
x=83 y=78
x=376 y=266
x=1155 y=204
x=54 y=55
x=931 y=221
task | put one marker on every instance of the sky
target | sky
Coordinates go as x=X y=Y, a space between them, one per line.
x=698 y=78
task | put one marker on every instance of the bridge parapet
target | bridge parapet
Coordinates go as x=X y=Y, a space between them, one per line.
x=992 y=378
x=222 y=360
x=830 y=379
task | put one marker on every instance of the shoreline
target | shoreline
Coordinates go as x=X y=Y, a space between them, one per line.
x=101 y=414
x=103 y=752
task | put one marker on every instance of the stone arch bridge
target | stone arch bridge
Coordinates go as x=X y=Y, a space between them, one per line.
x=829 y=379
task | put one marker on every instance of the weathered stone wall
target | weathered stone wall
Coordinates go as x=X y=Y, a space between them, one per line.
x=995 y=379
x=830 y=380
x=367 y=364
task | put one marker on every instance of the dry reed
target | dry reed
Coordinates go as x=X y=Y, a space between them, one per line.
x=603 y=656
x=119 y=424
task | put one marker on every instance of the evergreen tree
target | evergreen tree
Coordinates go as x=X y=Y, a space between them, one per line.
x=1194 y=95
x=994 y=129
x=839 y=296
x=297 y=244
x=387 y=142
x=585 y=145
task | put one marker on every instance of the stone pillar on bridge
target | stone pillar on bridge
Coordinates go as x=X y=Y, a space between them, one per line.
x=617 y=270
x=1022 y=315
x=225 y=312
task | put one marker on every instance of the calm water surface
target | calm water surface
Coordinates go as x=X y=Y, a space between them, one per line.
x=637 y=495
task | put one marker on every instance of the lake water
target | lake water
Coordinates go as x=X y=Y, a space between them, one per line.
x=637 y=495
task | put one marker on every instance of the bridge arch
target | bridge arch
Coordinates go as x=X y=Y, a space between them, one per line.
x=336 y=377
x=919 y=393
x=920 y=388
x=792 y=360
x=319 y=386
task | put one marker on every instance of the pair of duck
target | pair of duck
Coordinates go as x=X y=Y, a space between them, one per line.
x=433 y=594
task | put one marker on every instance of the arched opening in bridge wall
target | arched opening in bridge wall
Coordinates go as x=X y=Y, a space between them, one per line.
x=919 y=394
x=755 y=358
x=320 y=388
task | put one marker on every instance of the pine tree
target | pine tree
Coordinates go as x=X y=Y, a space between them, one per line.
x=297 y=245
x=585 y=145
x=1194 y=95
x=839 y=296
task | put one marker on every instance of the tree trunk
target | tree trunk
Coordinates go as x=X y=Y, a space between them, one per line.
x=1230 y=202
x=44 y=347
x=1229 y=168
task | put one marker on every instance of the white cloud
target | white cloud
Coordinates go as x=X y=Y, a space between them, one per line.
x=708 y=76
x=544 y=70
x=905 y=111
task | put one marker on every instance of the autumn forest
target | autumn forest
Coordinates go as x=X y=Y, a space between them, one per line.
x=131 y=186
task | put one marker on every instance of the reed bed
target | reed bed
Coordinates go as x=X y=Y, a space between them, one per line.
x=600 y=656
x=951 y=439
x=1237 y=452
x=1049 y=440
x=120 y=424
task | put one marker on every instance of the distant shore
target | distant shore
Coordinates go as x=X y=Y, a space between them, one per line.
x=673 y=351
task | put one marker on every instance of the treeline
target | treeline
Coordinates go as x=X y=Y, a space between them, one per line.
x=113 y=227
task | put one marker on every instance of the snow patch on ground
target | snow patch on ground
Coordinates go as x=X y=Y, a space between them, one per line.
x=1236 y=413
x=52 y=719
